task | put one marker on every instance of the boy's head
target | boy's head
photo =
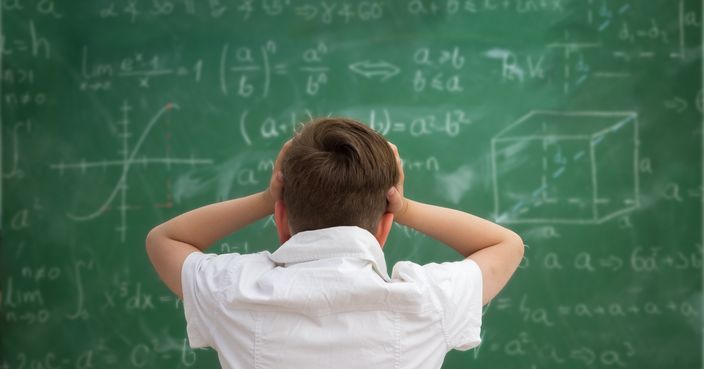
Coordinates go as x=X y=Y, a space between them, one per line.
x=337 y=172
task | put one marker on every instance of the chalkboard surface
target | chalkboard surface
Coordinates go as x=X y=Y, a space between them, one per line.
x=576 y=123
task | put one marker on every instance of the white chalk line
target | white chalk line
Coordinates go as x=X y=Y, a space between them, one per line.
x=126 y=166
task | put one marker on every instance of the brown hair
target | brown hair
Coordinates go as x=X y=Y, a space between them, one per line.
x=337 y=172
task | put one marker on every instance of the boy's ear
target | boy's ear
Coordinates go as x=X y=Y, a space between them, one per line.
x=384 y=227
x=281 y=221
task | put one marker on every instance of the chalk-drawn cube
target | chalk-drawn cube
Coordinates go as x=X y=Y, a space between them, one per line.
x=566 y=167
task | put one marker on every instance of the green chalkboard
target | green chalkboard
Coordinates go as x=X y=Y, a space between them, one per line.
x=576 y=123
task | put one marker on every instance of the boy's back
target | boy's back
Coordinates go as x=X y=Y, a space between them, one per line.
x=302 y=308
x=324 y=298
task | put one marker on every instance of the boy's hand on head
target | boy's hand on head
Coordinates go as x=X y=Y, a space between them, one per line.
x=397 y=204
x=276 y=184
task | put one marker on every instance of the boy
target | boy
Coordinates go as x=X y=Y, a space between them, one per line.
x=324 y=298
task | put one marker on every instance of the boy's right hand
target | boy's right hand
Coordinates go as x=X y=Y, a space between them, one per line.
x=397 y=204
x=276 y=183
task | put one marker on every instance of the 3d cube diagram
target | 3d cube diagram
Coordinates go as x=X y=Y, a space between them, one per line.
x=576 y=167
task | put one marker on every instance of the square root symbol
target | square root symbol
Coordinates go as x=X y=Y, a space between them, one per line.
x=577 y=167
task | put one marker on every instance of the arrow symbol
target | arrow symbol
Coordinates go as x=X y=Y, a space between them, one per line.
x=370 y=69
x=613 y=261
x=678 y=104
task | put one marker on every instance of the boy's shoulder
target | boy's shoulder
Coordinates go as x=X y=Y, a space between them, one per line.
x=230 y=262
x=436 y=272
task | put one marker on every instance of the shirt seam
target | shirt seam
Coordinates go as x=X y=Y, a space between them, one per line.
x=444 y=330
x=257 y=340
x=441 y=319
x=437 y=309
x=451 y=346
x=193 y=260
x=347 y=309
x=397 y=348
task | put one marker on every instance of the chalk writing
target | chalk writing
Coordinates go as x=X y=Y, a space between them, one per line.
x=576 y=124
x=33 y=43
x=323 y=12
x=469 y=7
x=138 y=67
x=560 y=148
x=128 y=159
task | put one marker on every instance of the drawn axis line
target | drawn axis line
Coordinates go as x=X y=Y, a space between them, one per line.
x=126 y=164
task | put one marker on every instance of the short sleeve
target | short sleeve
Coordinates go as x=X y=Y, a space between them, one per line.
x=199 y=301
x=458 y=287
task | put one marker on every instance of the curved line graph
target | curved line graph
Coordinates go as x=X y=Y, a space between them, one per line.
x=126 y=167
x=126 y=161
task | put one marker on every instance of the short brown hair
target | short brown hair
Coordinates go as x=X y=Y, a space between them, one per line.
x=337 y=172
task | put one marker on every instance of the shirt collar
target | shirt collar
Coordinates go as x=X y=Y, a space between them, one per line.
x=341 y=241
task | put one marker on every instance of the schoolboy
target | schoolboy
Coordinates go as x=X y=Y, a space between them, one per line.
x=324 y=299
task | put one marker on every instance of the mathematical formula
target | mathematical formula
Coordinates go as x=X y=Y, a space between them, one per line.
x=576 y=124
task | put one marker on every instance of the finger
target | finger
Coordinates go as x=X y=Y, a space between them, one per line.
x=395 y=200
x=280 y=156
x=276 y=185
x=401 y=175
x=395 y=150
x=391 y=193
x=399 y=166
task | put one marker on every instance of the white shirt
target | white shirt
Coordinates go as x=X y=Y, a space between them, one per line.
x=324 y=299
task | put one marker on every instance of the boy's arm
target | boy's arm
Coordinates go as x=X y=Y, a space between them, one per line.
x=497 y=250
x=169 y=243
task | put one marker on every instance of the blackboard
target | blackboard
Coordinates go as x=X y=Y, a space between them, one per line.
x=576 y=123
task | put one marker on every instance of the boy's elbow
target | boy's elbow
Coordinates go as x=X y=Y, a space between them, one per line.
x=518 y=241
x=517 y=245
x=152 y=238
